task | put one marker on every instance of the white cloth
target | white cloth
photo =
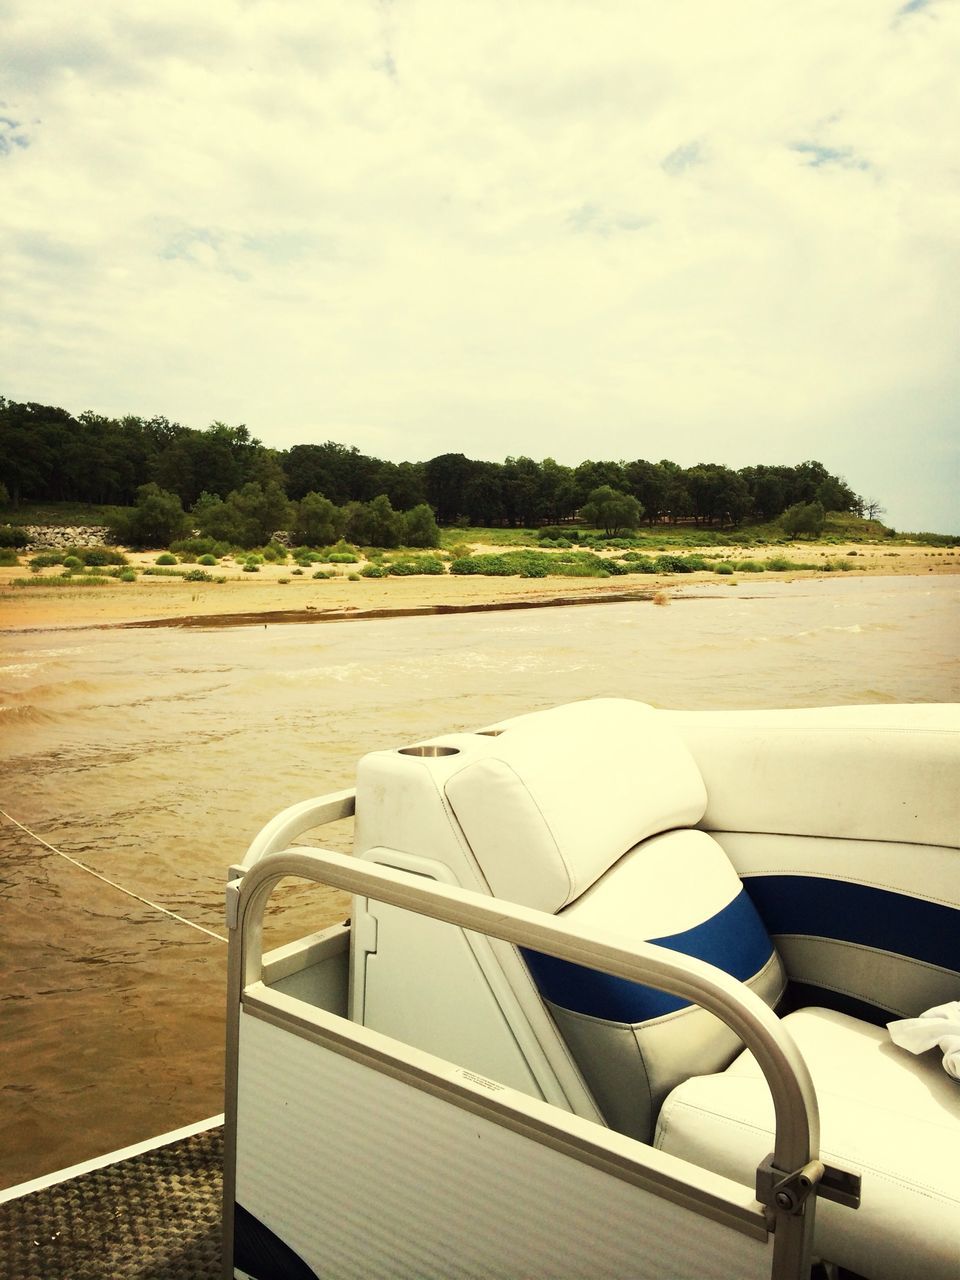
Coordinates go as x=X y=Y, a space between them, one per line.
x=938 y=1026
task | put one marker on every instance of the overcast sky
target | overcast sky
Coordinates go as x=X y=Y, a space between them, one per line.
x=614 y=229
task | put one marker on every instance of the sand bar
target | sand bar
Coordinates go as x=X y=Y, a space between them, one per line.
x=246 y=598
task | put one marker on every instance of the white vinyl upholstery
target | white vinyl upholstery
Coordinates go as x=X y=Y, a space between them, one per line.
x=632 y=868
x=884 y=1113
x=528 y=808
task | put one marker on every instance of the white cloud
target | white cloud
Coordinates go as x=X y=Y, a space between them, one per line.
x=683 y=230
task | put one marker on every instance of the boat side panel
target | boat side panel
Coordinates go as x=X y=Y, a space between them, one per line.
x=363 y=1174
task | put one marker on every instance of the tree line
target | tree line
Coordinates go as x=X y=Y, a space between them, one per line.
x=48 y=455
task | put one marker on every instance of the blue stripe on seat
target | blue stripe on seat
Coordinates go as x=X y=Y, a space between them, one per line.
x=734 y=940
x=821 y=908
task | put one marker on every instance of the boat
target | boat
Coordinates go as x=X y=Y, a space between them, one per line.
x=611 y=1001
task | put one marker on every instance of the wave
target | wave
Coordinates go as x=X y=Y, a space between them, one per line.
x=26 y=713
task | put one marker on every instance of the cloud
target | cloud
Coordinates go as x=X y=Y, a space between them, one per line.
x=636 y=230
x=817 y=155
x=13 y=135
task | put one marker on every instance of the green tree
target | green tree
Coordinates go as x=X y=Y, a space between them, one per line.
x=248 y=517
x=386 y=525
x=420 y=527
x=803 y=520
x=318 y=522
x=157 y=519
x=612 y=511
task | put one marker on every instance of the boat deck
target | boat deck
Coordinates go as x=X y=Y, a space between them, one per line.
x=156 y=1215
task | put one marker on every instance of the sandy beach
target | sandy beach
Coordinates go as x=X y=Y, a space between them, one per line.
x=275 y=595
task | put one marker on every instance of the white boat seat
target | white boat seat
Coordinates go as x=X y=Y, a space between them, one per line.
x=885 y=1113
x=632 y=868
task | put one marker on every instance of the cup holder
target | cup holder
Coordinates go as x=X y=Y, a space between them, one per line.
x=429 y=751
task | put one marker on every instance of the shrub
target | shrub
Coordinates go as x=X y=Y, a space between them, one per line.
x=283 y=581
x=353 y=577
x=8 y=556
x=166 y=558
x=160 y=571
x=532 y=564
x=251 y=567
x=198 y=575
x=557 y=533
x=374 y=571
x=342 y=557
x=750 y=566
x=127 y=575
x=72 y=562
x=207 y=559
x=199 y=547
x=297 y=573
x=405 y=566
x=724 y=567
x=99 y=556
x=678 y=564
x=321 y=574
x=274 y=553
x=45 y=560
x=12 y=535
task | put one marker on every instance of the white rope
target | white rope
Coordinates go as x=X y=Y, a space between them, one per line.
x=155 y=906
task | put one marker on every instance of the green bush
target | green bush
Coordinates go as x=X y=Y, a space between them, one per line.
x=373 y=571
x=322 y=575
x=98 y=557
x=127 y=575
x=12 y=535
x=353 y=577
x=8 y=556
x=532 y=564
x=166 y=558
x=160 y=571
x=297 y=573
x=724 y=567
x=679 y=564
x=45 y=560
x=750 y=566
x=198 y=575
x=275 y=553
x=199 y=547
x=207 y=559
x=72 y=562
x=251 y=567
x=558 y=533
x=405 y=566
x=342 y=557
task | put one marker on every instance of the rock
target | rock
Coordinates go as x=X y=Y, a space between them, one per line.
x=58 y=537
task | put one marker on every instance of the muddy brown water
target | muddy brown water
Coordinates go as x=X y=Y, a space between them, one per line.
x=153 y=756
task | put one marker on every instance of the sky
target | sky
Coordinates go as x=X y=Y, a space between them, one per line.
x=703 y=231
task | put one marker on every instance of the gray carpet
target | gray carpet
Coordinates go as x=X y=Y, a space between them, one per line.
x=153 y=1217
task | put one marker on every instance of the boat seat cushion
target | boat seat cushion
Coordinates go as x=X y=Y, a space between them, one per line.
x=563 y=794
x=891 y=1116
x=632 y=1042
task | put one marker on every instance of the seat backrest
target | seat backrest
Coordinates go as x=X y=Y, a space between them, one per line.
x=587 y=810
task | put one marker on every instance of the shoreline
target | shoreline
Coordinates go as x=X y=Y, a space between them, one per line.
x=274 y=596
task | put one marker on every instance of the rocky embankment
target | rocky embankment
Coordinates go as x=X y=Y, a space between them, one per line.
x=57 y=537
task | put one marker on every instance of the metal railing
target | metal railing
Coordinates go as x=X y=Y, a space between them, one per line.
x=788 y=1180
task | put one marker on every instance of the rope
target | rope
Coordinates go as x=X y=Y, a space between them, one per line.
x=154 y=906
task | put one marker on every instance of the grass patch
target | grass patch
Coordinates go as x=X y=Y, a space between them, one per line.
x=532 y=564
x=80 y=580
